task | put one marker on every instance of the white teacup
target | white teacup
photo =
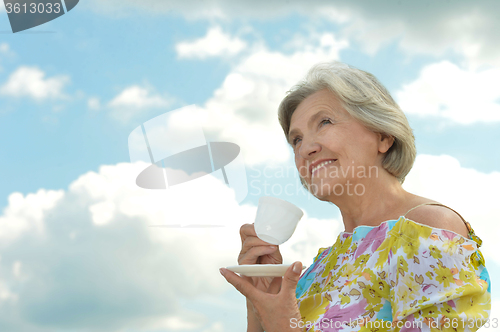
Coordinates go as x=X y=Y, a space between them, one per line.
x=276 y=219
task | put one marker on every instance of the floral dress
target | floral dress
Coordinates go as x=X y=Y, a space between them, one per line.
x=398 y=276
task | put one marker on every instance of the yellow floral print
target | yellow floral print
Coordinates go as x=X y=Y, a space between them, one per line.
x=399 y=272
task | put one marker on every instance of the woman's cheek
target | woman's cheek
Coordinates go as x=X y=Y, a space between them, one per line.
x=301 y=168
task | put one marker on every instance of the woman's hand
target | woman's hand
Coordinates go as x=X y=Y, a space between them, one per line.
x=257 y=251
x=276 y=308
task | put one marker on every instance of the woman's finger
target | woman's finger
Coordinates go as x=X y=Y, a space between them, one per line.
x=291 y=279
x=247 y=230
x=275 y=286
x=242 y=285
x=251 y=256
x=252 y=242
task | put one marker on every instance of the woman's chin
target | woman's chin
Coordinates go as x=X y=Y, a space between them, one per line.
x=322 y=192
x=328 y=189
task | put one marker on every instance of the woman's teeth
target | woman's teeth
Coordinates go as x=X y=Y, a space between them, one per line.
x=321 y=165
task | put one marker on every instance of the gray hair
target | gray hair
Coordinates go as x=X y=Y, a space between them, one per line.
x=365 y=99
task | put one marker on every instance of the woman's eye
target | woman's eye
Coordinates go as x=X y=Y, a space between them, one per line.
x=295 y=141
x=325 y=121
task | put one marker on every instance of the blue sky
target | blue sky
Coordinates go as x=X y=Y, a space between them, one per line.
x=72 y=90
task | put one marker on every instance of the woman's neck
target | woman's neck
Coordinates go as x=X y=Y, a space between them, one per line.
x=383 y=198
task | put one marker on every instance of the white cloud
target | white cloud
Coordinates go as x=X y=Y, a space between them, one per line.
x=444 y=90
x=183 y=321
x=98 y=252
x=215 y=43
x=139 y=97
x=472 y=193
x=94 y=103
x=215 y=327
x=121 y=273
x=5 y=293
x=135 y=100
x=26 y=212
x=434 y=28
x=5 y=48
x=244 y=109
x=102 y=212
x=16 y=269
x=31 y=82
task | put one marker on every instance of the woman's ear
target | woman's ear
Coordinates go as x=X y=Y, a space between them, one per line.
x=385 y=142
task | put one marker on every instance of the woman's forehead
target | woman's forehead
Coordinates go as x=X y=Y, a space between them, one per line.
x=322 y=101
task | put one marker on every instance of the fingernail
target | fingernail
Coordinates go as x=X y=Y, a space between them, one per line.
x=221 y=270
x=272 y=247
x=296 y=268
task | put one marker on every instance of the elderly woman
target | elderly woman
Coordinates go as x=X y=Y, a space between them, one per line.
x=404 y=262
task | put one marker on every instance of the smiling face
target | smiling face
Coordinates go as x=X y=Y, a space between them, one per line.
x=332 y=149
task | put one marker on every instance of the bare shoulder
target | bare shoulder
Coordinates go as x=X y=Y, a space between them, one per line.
x=439 y=217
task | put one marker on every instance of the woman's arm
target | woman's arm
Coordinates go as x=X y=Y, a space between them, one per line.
x=253 y=324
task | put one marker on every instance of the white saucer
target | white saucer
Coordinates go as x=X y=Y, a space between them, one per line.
x=261 y=270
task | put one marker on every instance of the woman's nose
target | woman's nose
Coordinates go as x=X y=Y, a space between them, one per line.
x=308 y=148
